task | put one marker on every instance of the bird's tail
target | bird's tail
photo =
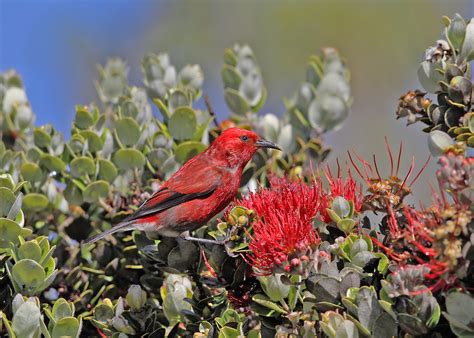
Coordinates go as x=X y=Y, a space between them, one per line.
x=124 y=226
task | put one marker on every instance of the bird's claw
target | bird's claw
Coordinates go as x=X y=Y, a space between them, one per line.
x=186 y=237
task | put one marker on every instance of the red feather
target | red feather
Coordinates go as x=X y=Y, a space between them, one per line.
x=199 y=190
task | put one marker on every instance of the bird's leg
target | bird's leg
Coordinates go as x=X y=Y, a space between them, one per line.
x=186 y=236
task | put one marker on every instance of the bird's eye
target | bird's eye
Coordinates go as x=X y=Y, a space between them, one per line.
x=244 y=138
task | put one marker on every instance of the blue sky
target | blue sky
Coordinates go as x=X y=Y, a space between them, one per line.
x=55 y=45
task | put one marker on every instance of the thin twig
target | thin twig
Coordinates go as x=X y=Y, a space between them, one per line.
x=210 y=110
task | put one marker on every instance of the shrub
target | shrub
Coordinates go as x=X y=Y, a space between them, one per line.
x=302 y=254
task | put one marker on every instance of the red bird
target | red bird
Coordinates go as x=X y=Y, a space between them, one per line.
x=198 y=191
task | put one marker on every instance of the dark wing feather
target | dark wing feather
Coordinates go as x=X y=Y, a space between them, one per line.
x=198 y=178
x=170 y=200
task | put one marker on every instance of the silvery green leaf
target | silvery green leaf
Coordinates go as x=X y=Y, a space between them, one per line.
x=251 y=88
x=457 y=31
x=246 y=65
x=24 y=115
x=17 y=302
x=286 y=139
x=236 y=102
x=429 y=77
x=335 y=84
x=173 y=292
x=273 y=287
x=340 y=206
x=26 y=321
x=231 y=77
x=169 y=78
x=191 y=76
x=158 y=88
x=140 y=99
x=108 y=145
x=13 y=98
x=164 y=60
x=347 y=329
x=467 y=51
x=136 y=297
x=438 y=142
x=15 y=209
x=327 y=113
x=335 y=66
x=177 y=99
x=270 y=124
x=304 y=97
x=243 y=51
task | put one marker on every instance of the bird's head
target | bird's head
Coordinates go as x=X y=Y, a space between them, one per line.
x=237 y=146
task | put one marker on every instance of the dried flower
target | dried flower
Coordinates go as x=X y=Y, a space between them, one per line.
x=387 y=194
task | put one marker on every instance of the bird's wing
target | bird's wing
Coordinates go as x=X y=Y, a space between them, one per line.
x=194 y=180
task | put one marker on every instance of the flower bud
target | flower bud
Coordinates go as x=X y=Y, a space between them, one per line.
x=242 y=220
x=136 y=297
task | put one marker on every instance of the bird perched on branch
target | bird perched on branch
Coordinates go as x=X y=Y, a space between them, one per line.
x=198 y=191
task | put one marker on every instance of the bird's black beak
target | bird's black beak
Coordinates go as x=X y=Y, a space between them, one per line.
x=266 y=144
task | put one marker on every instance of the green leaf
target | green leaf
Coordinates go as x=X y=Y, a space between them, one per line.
x=228 y=332
x=73 y=193
x=94 y=142
x=340 y=206
x=35 y=202
x=264 y=301
x=438 y=142
x=61 y=309
x=67 y=327
x=103 y=313
x=129 y=159
x=52 y=163
x=262 y=100
x=6 y=181
x=7 y=199
x=182 y=124
x=461 y=306
x=82 y=166
x=28 y=275
x=31 y=172
x=9 y=232
x=128 y=131
x=411 y=324
x=15 y=212
x=96 y=190
x=230 y=77
x=183 y=256
x=42 y=138
x=184 y=151
x=236 y=102
x=229 y=57
x=30 y=250
x=162 y=108
x=107 y=170
x=383 y=262
x=83 y=118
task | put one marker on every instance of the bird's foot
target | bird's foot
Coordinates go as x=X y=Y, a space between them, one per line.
x=187 y=237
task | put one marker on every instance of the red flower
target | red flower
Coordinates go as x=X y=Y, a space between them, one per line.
x=283 y=231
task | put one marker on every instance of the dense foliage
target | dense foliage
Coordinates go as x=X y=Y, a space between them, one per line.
x=302 y=254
